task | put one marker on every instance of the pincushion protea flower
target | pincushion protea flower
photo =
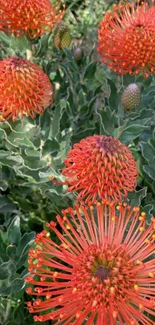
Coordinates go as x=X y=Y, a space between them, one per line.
x=126 y=39
x=100 y=166
x=24 y=88
x=103 y=270
x=33 y=18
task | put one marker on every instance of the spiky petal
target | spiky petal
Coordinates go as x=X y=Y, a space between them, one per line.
x=102 y=271
x=24 y=88
x=126 y=39
x=100 y=166
x=32 y=18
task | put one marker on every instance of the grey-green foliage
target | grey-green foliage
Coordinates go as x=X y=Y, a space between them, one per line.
x=86 y=102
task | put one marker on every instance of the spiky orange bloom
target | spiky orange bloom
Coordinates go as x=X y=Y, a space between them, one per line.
x=100 y=166
x=31 y=17
x=24 y=88
x=126 y=39
x=103 y=270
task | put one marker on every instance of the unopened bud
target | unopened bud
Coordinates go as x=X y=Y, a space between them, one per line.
x=131 y=97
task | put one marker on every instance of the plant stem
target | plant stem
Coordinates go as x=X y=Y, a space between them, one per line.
x=8 y=308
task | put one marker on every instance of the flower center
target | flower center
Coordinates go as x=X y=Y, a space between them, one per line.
x=16 y=62
x=108 y=144
x=102 y=272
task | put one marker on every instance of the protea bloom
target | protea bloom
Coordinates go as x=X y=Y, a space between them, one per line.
x=100 y=166
x=101 y=271
x=24 y=88
x=126 y=39
x=33 y=18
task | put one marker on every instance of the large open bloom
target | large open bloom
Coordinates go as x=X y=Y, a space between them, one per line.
x=126 y=39
x=101 y=271
x=24 y=88
x=100 y=166
x=31 y=17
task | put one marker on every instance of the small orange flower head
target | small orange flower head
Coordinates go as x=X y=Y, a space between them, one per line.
x=126 y=39
x=100 y=271
x=24 y=88
x=100 y=166
x=30 y=17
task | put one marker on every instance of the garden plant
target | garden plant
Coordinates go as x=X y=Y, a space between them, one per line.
x=77 y=162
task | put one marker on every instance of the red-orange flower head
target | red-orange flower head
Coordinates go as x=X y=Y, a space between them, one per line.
x=103 y=270
x=31 y=17
x=24 y=88
x=100 y=166
x=126 y=39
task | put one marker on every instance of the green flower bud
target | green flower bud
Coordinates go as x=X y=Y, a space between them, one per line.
x=62 y=38
x=131 y=97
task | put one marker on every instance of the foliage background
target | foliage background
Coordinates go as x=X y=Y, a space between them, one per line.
x=86 y=102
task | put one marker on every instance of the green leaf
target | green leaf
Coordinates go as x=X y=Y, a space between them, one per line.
x=23 y=133
x=145 y=82
x=148 y=209
x=72 y=107
x=43 y=45
x=14 y=233
x=83 y=133
x=81 y=97
x=34 y=164
x=21 y=261
x=51 y=146
x=11 y=250
x=72 y=66
x=12 y=161
x=90 y=70
x=57 y=118
x=114 y=98
x=19 y=44
x=7 y=205
x=32 y=153
x=45 y=124
x=127 y=79
x=17 y=285
x=3 y=185
x=4 y=38
x=5 y=288
x=25 y=243
x=149 y=171
x=135 y=198
x=143 y=116
x=149 y=91
x=26 y=205
x=148 y=151
x=68 y=54
x=147 y=100
x=107 y=121
x=7 y=269
x=130 y=133
x=18 y=314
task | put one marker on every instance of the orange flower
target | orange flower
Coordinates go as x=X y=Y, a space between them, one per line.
x=101 y=271
x=31 y=17
x=126 y=39
x=24 y=88
x=100 y=166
